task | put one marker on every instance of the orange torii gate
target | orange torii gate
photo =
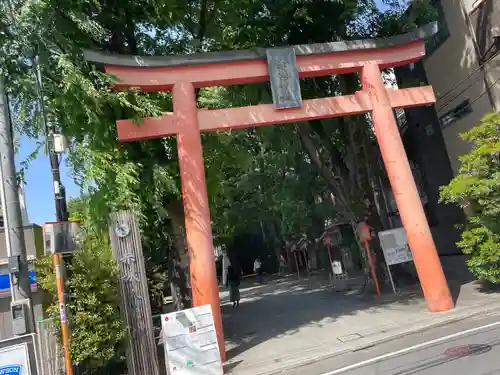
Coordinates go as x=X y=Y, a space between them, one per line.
x=283 y=67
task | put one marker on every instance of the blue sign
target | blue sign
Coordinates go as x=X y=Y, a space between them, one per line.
x=5 y=283
x=11 y=370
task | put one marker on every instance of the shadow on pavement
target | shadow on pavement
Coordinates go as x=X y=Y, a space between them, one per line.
x=286 y=309
x=282 y=310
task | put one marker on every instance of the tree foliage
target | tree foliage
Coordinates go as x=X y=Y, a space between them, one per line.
x=477 y=189
x=282 y=182
x=97 y=330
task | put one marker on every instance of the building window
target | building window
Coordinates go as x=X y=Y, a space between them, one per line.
x=461 y=110
x=443 y=33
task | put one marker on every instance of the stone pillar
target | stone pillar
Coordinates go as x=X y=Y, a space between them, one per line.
x=427 y=263
x=196 y=211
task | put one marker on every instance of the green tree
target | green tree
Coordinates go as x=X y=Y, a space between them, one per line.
x=97 y=330
x=280 y=179
x=477 y=190
x=343 y=151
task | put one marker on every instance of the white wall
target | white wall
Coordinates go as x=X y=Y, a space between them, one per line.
x=453 y=61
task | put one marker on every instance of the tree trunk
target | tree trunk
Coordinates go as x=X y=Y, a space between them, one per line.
x=179 y=258
x=350 y=180
x=332 y=180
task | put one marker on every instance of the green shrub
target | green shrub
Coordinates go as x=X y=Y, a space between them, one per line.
x=97 y=331
x=477 y=189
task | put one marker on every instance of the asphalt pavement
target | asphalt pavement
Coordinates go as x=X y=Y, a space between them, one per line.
x=466 y=347
x=289 y=323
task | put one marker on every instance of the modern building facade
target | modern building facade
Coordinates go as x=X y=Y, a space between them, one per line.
x=463 y=66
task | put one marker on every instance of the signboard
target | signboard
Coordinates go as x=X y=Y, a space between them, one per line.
x=14 y=360
x=398 y=255
x=5 y=284
x=337 y=267
x=191 y=342
x=395 y=246
x=284 y=77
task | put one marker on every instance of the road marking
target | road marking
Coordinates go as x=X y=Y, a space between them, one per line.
x=409 y=349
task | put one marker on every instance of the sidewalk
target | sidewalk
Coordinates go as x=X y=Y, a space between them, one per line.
x=283 y=325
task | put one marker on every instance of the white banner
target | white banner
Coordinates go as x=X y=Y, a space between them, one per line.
x=190 y=342
x=337 y=267
x=398 y=255
x=395 y=246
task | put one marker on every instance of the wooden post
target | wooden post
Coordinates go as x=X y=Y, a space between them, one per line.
x=425 y=256
x=372 y=267
x=296 y=264
x=126 y=245
x=365 y=235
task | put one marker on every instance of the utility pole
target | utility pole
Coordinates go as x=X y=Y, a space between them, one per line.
x=59 y=191
x=14 y=232
x=61 y=216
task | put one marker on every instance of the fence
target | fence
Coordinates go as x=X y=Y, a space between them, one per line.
x=51 y=352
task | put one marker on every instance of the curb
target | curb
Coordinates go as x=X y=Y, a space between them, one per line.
x=486 y=311
x=464 y=314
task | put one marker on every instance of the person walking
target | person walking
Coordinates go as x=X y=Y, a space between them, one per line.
x=233 y=282
x=257 y=268
x=282 y=265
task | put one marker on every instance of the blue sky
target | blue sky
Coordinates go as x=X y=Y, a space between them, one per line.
x=38 y=188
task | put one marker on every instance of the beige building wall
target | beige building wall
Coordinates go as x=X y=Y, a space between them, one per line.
x=454 y=61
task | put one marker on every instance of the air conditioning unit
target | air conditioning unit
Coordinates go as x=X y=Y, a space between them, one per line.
x=61 y=237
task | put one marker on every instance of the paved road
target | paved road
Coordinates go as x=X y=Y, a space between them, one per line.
x=469 y=347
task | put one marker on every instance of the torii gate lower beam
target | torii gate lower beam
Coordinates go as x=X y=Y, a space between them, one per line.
x=183 y=74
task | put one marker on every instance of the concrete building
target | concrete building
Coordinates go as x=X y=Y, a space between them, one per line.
x=463 y=66
x=34 y=246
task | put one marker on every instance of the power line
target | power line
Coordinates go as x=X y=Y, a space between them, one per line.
x=465 y=89
x=480 y=95
x=467 y=77
x=484 y=92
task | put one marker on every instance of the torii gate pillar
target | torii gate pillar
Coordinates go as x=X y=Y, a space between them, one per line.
x=196 y=211
x=405 y=192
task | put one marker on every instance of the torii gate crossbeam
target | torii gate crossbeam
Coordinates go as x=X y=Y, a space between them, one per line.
x=183 y=74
